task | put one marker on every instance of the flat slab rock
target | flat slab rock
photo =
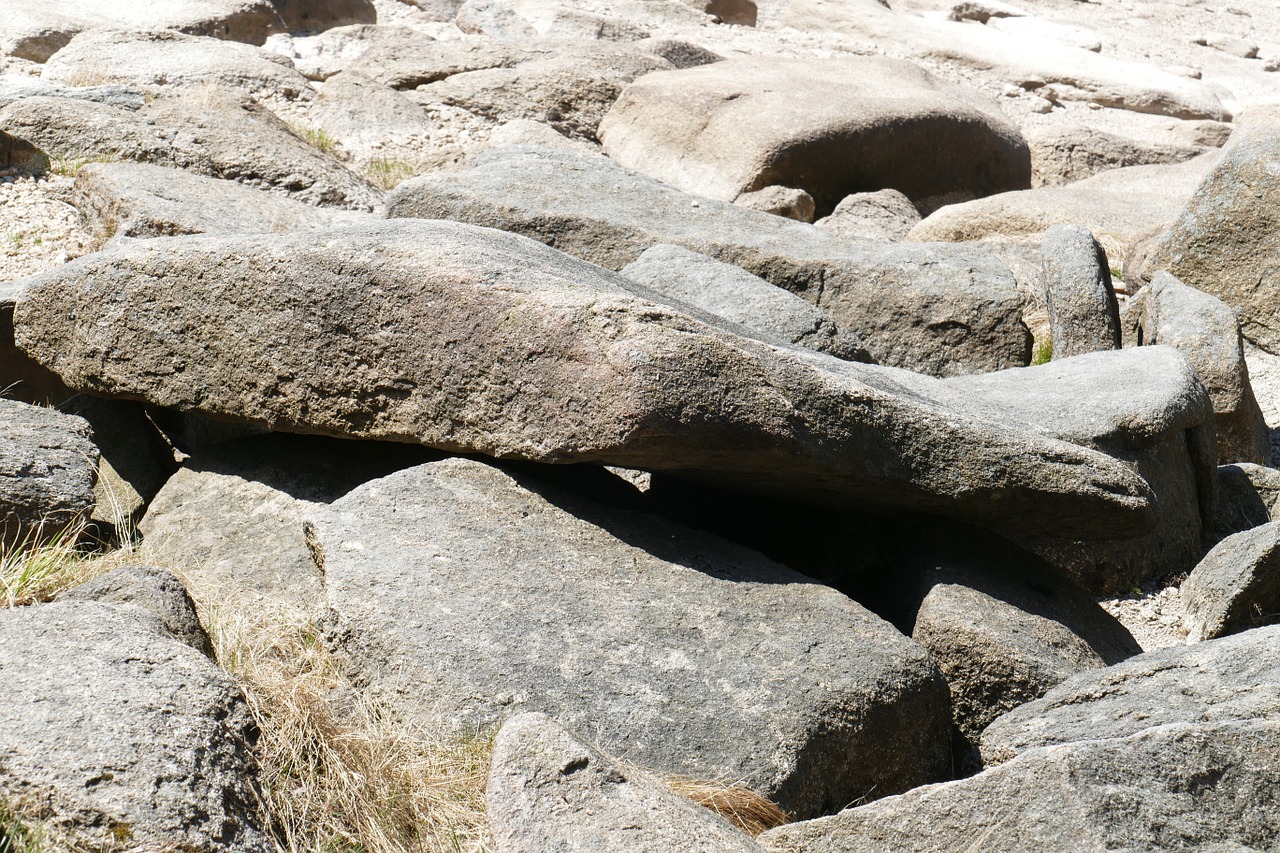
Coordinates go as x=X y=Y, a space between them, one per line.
x=941 y=310
x=549 y=791
x=466 y=595
x=469 y=339
x=124 y=732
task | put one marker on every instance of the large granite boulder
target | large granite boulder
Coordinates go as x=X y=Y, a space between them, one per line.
x=463 y=594
x=1236 y=586
x=1206 y=331
x=932 y=309
x=48 y=468
x=1225 y=242
x=466 y=338
x=741 y=125
x=126 y=735
x=549 y=791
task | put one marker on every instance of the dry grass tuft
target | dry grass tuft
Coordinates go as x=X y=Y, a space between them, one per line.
x=742 y=807
x=388 y=173
x=337 y=773
x=36 y=568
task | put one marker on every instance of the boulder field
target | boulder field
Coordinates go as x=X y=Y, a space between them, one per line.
x=711 y=425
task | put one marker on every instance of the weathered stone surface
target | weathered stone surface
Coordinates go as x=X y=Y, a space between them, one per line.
x=1236 y=586
x=741 y=298
x=1083 y=313
x=14 y=87
x=1225 y=242
x=1003 y=626
x=738 y=126
x=233 y=516
x=930 y=309
x=549 y=791
x=48 y=467
x=20 y=155
x=1205 y=330
x=1126 y=203
x=570 y=89
x=403 y=59
x=369 y=120
x=21 y=378
x=152 y=590
x=219 y=136
x=157 y=58
x=881 y=215
x=135 y=458
x=127 y=734
x=780 y=201
x=465 y=594
x=465 y=338
x=35 y=30
x=141 y=200
x=1063 y=155
x=1187 y=786
x=1232 y=678
x=1147 y=407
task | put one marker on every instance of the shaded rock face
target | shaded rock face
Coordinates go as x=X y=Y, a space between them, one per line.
x=932 y=309
x=1236 y=586
x=152 y=590
x=1205 y=330
x=738 y=126
x=48 y=468
x=549 y=791
x=508 y=348
x=21 y=155
x=687 y=653
x=126 y=733
x=1224 y=242
x=23 y=378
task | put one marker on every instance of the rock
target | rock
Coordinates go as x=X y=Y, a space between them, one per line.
x=1148 y=791
x=741 y=298
x=15 y=87
x=221 y=137
x=21 y=156
x=1233 y=45
x=523 y=131
x=1083 y=313
x=681 y=54
x=403 y=331
x=135 y=458
x=570 y=89
x=48 y=467
x=687 y=653
x=233 y=517
x=549 y=791
x=780 y=201
x=741 y=125
x=140 y=200
x=493 y=18
x=370 y=121
x=1205 y=330
x=125 y=734
x=318 y=57
x=1032 y=28
x=1003 y=626
x=881 y=215
x=1147 y=407
x=1125 y=202
x=1233 y=678
x=22 y=378
x=1236 y=586
x=309 y=16
x=930 y=309
x=162 y=58
x=983 y=11
x=1078 y=74
x=36 y=30
x=1223 y=242
x=403 y=59
x=1242 y=505
x=152 y=590
x=1063 y=155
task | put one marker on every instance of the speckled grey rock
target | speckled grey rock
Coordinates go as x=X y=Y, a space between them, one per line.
x=1205 y=330
x=141 y=200
x=1083 y=313
x=1224 y=242
x=153 y=590
x=15 y=87
x=404 y=331
x=880 y=215
x=741 y=298
x=21 y=156
x=1236 y=586
x=1246 y=498
x=1232 y=678
x=933 y=309
x=738 y=126
x=48 y=467
x=549 y=791
x=222 y=137
x=464 y=595
x=1203 y=787
x=127 y=734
